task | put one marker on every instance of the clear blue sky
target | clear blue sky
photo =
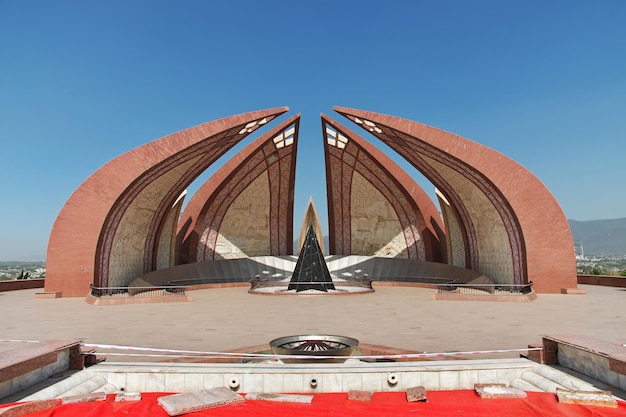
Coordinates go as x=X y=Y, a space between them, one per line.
x=543 y=82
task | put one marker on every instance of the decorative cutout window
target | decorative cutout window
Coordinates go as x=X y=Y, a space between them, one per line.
x=252 y=126
x=285 y=138
x=371 y=126
x=335 y=138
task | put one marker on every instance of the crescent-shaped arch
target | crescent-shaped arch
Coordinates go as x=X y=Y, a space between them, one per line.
x=374 y=207
x=111 y=227
x=512 y=228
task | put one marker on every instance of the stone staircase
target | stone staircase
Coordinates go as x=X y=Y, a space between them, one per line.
x=543 y=378
x=82 y=382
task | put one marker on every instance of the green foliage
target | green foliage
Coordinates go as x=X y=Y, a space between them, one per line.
x=596 y=271
x=23 y=275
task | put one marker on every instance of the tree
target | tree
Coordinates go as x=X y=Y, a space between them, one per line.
x=23 y=275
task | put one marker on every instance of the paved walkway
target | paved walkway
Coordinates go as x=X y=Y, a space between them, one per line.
x=402 y=317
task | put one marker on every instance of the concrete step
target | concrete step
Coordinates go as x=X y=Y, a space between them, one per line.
x=541 y=382
x=568 y=381
x=524 y=385
x=53 y=391
x=93 y=384
x=83 y=382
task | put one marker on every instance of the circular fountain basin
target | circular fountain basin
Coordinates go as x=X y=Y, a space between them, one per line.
x=312 y=345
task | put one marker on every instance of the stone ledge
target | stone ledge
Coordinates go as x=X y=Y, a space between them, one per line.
x=48 y=294
x=593 y=398
x=523 y=298
x=617 y=363
x=29 y=407
x=492 y=392
x=615 y=353
x=589 y=344
x=358 y=395
x=318 y=368
x=189 y=402
x=100 y=301
x=282 y=398
x=32 y=356
x=578 y=291
x=602 y=280
x=84 y=398
x=415 y=394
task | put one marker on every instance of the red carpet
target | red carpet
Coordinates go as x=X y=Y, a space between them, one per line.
x=441 y=403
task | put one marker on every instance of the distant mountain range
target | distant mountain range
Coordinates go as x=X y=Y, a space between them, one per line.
x=600 y=237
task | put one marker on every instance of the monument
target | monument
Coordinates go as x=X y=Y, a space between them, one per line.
x=311 y=272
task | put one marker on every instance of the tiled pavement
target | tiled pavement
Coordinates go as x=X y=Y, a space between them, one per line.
x=403 y=317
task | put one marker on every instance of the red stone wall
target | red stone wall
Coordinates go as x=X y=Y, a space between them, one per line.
x=21 y=284
x=536 y=229
x=83 y=235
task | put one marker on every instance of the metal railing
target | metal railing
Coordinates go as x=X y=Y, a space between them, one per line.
x=284 y=285
x=188 y=282
x=125 y=292
x=482 y=289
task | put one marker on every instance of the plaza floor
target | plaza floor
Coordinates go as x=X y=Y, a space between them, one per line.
x=402 y=317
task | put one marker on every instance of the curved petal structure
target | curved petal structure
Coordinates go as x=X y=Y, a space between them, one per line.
x=110 y=229
x=123 y=221
x=500 y=219
x=246 y=208
x=374 y=207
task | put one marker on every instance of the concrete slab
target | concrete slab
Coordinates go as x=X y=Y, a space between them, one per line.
x=84 y=398
x=127 y=396
x=415 y=394
x=593 y=398
x=189 y=402
x=28 y=408
x=491 y=392
x=281 y=398
x=356 y=395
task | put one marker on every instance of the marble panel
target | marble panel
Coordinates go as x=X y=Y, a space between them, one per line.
x=588 y=363
x=116 y=378
x=295 y=383
x=174 y=382
x=273 y=383
x=313 y=383
x=487 y=376
x=28 y=379
x=135 y=382
x=155 y=382
x=430 y=380
x=448 y=380
x=410 y=379
x=373 y=382
x=253 y=383
x=5 y=388
x=621 y=382
x=194 y=382
x=213 y=381
x=467 y=379
x=332 y=383
x=352 y=382
x=505 y=376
